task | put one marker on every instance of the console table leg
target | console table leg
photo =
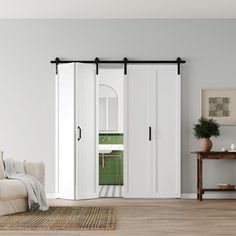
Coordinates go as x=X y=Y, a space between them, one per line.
x=200 y=178
x=198 y=195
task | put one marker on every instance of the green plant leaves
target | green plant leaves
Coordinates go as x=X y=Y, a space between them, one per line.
x=206 y=128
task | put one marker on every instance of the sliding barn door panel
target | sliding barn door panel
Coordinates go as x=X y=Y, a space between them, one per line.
x=168 y=136
x=65 y=131
x=77 y=137
x=152 y=159
x=138 y=154
x=87 y=137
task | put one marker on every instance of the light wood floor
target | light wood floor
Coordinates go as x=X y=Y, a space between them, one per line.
x=159 y=217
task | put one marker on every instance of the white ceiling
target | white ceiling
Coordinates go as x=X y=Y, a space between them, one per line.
x=103 y=9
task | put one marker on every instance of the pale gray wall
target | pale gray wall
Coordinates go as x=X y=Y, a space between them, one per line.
x=27 y=77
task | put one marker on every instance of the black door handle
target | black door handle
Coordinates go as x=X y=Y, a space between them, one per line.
x=150 y=133
x=79 y=133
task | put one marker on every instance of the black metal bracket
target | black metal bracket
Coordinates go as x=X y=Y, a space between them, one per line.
x=125 y=65
x=179 y=61
x=96 y=62
x=57 y=60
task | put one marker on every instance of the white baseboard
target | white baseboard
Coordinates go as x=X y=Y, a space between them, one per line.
x=50 y=195
x=188 y=196
x=209 y=196
x=183 y=196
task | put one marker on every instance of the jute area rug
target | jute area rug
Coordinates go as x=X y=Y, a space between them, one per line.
x=62 y=218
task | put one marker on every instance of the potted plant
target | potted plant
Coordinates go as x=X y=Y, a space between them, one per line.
x=204 y=129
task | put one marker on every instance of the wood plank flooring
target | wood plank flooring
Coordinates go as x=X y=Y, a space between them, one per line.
x=159 y=217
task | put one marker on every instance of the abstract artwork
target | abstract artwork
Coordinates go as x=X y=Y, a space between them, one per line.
x=220 y=105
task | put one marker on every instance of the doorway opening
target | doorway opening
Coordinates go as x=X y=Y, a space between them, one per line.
x=111 y=130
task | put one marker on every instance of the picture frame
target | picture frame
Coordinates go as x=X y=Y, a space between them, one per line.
x=219 y=104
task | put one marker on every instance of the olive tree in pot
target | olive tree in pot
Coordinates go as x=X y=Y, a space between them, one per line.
x=204 y=129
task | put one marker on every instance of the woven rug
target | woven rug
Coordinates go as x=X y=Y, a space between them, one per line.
x=62 y=218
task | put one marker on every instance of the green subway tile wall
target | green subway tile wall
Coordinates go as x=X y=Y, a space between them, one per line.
x=112 y=172
x=110 y=138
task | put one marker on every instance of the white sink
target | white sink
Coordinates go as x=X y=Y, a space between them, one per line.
x=108 y=148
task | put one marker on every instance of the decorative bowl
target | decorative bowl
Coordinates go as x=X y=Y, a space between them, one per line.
x=226 y=186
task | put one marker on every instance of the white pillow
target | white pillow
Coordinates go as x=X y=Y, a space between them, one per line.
x=2 y=172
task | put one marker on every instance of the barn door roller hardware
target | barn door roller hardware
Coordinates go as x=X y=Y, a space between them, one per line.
x=125 y=61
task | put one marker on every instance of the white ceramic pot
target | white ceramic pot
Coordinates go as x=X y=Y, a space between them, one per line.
x=233 y=146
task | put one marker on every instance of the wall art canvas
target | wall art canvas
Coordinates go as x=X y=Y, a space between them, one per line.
x=219 y=104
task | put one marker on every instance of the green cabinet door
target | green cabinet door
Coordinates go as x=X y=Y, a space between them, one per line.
x=111 y=170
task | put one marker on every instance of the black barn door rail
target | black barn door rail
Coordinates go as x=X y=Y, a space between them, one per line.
x=125 y=61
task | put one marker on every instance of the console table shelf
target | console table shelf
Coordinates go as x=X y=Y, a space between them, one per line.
x=217 y=189
x=210 y=156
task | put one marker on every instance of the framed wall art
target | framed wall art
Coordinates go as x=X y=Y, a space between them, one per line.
x=220 y=105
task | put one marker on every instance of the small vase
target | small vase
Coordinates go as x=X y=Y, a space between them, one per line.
x=206 y=145
x=233 y=147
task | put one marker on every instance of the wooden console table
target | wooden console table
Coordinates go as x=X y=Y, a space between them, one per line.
x=210 y=156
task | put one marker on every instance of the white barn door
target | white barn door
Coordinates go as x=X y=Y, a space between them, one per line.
x=152 y=131
x=87 y=133
x=65 y=132
x=139 y=147
x=168 y=137
x=76 y=132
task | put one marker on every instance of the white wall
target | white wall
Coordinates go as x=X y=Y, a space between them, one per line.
x=115 y=79
x=27 y=78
